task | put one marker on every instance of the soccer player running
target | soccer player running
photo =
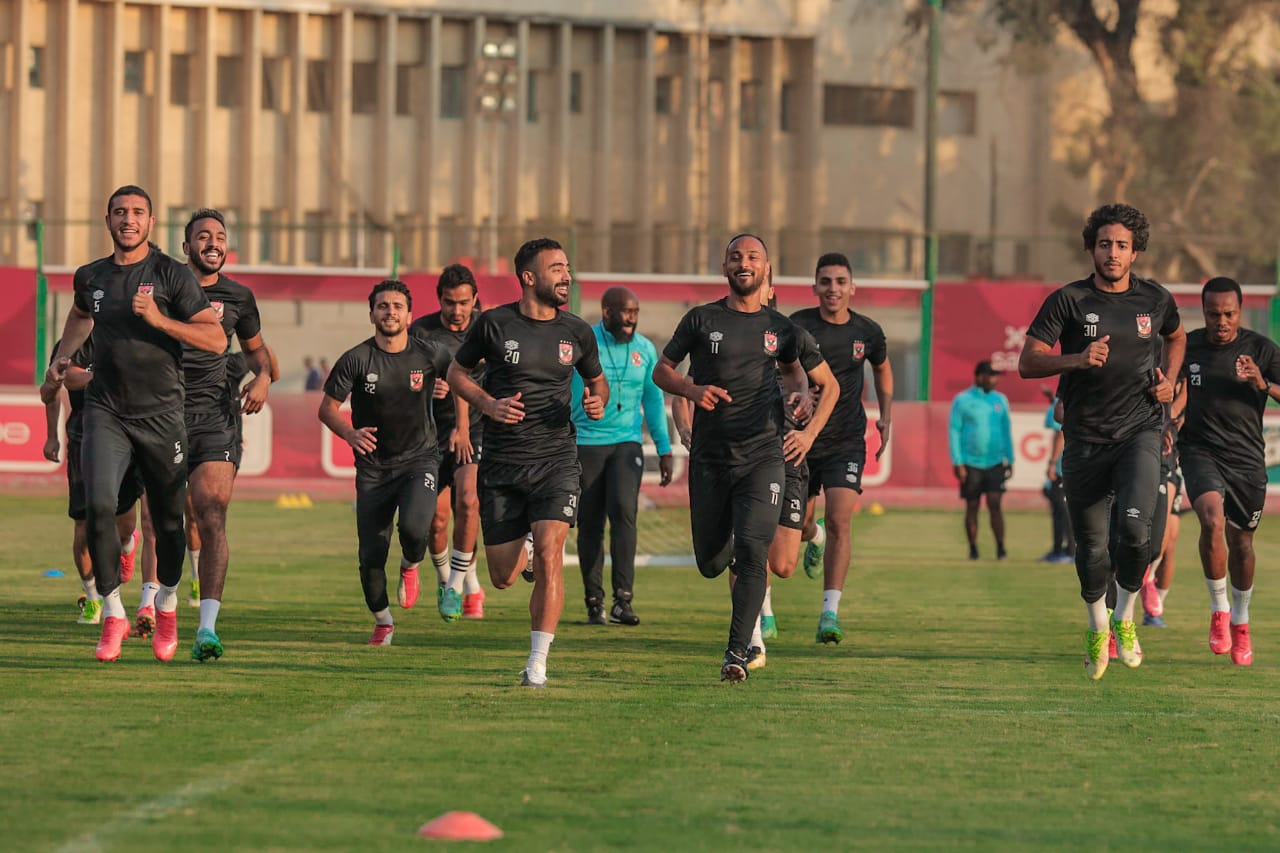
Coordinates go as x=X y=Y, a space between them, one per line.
x=71 y=397
x=736 y=464
x=1110 y=328
x=529 y=476
x=141 y=306
x=458 y=590
x=213 y=438
x=981 y=441
x=612 y=458
x=1231 y=372
x=848 y=340
x=389 y=378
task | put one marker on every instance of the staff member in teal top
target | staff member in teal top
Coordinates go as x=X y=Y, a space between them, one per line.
x=982 y=452
x=611 y=456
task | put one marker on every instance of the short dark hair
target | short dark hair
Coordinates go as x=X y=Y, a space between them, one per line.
x=1118 y=214
x=129 y=189
x=741 y=235
x=393 y=285
x=528 y=253
x=455 y=275
x=203 y=213
x=1222 y=284
x=833 y=259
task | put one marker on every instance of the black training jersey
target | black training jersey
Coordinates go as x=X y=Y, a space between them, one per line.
x=392 y=392
x=1224 y=412
x=737 y=352
x=535 y=359
x=430 y=328
x=82 y=357
x=1112 y=402
x=137 y=370
x=206 y=373
x=810 y=357
x=847 y=347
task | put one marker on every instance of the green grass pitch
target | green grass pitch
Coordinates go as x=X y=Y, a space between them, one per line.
x=955 y=715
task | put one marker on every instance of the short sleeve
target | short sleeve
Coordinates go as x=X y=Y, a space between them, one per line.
x=480 y=340
x=342 y=377
x=185 y=295
x=1269 y=362
x=1051 y=319
x=807 y=350
x=80 y=284
x=789 y=351
x=589 y=364
x=878 y=347
x=683 y=339
x=1172 y=319
x=249 y=323
x=440 y=357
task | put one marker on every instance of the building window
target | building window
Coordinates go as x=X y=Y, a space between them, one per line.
x=575 y=92
x=266 y=236
x=35 y=67
x=787 y=108
x=453 y=87
x=232 y=216
x=406 y=77
x=957 y=113
x=715 y=100
x=531 y=97
x=180 y=79
x=135 y=71
x=953 y=254
x=319 y=86
x=313 y=244
x=272 y=82
x=364 y=87
x=751 y=108
x=229 y=81
x=883 y=252
x=666 y=95
x=868 y=105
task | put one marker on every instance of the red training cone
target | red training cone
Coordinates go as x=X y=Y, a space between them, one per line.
x=460 y=826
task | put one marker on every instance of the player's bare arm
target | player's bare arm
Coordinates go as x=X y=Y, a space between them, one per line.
x=882 y=379
x=595 y=396
x=362 y=441
x=258 y=357
x=202 y=331
x=706 y=397
x=75 y=331
x=460 y=445
x=52 y=419
x=1037 y=360
x=508 y=410
x=1175 y=349
x=796 y=443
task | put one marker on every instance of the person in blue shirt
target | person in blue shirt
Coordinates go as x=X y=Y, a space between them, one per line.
x=981 y=439
x=612 y=458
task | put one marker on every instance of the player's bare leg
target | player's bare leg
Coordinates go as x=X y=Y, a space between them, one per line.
x=466 y=533
x=90 y=600
x=209 y=491
x=193 y=551
x=1240 y=566
x=507 y=560
x=1213 y=559
x=438 y=536
x=1153 y=594
x=835 y=562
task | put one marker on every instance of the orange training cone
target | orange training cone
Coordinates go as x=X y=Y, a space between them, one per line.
x=460 y=826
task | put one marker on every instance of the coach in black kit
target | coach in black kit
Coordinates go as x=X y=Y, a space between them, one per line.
x=141 y=306
x=1113 y=385
x=529 y=474
x=736 y=464
x=389 y=378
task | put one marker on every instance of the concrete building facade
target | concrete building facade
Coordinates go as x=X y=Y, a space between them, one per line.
x=643 y=132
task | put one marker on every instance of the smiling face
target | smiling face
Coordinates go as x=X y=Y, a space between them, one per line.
x=130 y=221
x=1113 y=253
x=746 y=265
x=620 y=313
x=833 y=285
x=550 y=278
x=390 y=314
x=207 y=248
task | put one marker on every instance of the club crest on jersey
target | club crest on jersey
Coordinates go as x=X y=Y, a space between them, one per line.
x=146 y=289
x=1144 y=325
x=637 y=359
x=217 y=308
x=566 y=352
x=770 y=342
x=859 y=349
x=415 y=380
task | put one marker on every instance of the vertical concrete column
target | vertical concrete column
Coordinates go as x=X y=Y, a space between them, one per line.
x=207 y=57
x=297 y=115
x=562 y=142
x=109 y=178
x=474 y=144
x=601 y=215
x=427 y=156
x=19 y=183
x=646 y=141
x=380 y=202
x=338 y=242
x=767 y=212
x=153 y=168
x=515 y=207
x=61 y=246
x=248 y=198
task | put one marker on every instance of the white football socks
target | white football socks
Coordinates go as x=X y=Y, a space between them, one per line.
x=539 y=646
x=167 y=599
x=149 y=591
x=90 y=588
x=441 y=562
x=1218 y=594
x=472 y=583
x=459 y=565
x=766 y=609
x=209 y=608
x=112 y=606
x=1240 y=605
x=383 y=617
x=1098 y=615
x=831 y=601
x=1124 y=604
x=820 y=536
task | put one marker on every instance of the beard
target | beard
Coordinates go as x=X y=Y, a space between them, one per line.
x=741 y=289
x=1109 y=276
x=390 y=326
x=545 y=292
x=139 y=239
x=201 y=264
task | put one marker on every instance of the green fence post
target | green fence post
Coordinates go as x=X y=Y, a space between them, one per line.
x=42 y=306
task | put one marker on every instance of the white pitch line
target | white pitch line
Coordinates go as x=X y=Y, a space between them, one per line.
x=162 y=806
